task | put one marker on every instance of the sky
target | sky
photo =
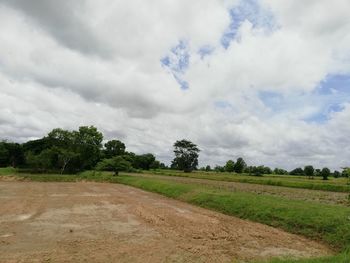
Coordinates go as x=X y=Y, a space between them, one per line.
x=267 y=80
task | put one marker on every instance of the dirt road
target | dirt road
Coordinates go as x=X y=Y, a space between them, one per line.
x=95 y=222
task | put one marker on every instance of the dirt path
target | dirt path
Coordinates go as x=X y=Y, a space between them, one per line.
x=95 y=222
x=326 y=197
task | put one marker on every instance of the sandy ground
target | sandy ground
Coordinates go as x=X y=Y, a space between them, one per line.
x=96 y=222
x=326 y=197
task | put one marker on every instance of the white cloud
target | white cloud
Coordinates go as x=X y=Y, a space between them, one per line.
x=98 y=63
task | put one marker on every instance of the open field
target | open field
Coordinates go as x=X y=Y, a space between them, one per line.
x=96 y=222
x=316 y=219
x=333 y=184
x=326 y=197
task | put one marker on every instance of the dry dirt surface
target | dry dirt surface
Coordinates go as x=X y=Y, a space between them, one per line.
x=97 y=222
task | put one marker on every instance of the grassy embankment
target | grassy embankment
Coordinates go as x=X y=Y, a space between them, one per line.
x=328 y=223
x=333 y=184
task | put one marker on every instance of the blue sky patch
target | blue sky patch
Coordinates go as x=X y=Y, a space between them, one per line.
x=177 y=62
x=205 y=51
x=329 y=97
x=335 y=83
x=247 y=10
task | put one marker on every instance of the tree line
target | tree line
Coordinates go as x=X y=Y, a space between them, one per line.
x=83 y=149
x=74 y=151
x=241 y=167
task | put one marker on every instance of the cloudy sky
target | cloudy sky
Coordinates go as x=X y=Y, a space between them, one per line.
x=267 y=80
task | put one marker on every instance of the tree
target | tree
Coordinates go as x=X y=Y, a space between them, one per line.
x=115 y=164
x=297 y=171
x=230 y=166
x=280 y=171
x=239 y=165
x=345 y=172
x=155 y=164
x=267 y=170
x=318 y=172
x=186 y=155
x=64 y=157
x=336 y=174
x=143 y=161
x=11 y=154
x=88 y=144
x=325 y=173
x=42 y=161
x=114 y=148
x=219 y=168
x=208 y=168
x=64 y=146
x=309 y=171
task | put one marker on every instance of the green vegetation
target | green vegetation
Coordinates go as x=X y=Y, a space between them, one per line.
x=8 y=171
x=333 y=184
x=186 y=156
x=341 y=258
x=70 y=152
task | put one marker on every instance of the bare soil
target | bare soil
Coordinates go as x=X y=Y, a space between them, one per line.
x=326 y=197
x=98 y=222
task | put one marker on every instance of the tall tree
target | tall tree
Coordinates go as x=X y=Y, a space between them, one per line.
x=239 y=165
x=114 y=148
x=11 y=154
x=186 y=155
x=144 y=161
x=230 y=166
x=309 y=171
x=325 y=172
x=88 y=143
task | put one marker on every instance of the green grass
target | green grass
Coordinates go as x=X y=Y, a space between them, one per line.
x=8 y=171
x=333 y=184
x=340 y=258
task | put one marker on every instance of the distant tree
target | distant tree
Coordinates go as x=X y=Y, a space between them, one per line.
x=64 y=157
x=88 y=144
x=42 y=161
x=143 y=161
x=186 y=155
x=267 y=170
x=336 y=174
x=297 y=171
x=318 y=172
x=219 y=168
x=155 y=165
x=63 y=145
x=208 y=168
x=37 y=146
x=162 y=166
x=280 y=171
x=114 y=148
x=309 y=171
x=230 y=166
x=325 y=173
x=345 y=172
x=116 y=164
x=4 y=155
x=239 y=165
x=11 y=154
x=255 y=170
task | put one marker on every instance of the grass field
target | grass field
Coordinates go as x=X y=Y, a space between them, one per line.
x=328 y=223
x=333 y=184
